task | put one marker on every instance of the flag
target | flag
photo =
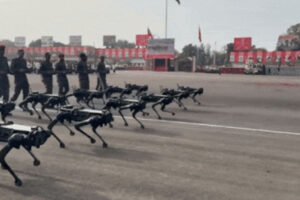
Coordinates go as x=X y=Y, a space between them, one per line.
x=200 y=35
x=149 y=33
x=178 y=1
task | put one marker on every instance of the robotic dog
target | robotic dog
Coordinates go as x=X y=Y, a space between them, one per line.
x=87 y=96
x=110 y=91
x=156 y=100
x=46 y=101
x=192 y=91
x=133 y=105
x=6 y=109
x=138 y=89
x=178 y=95
x=81 y=117
x=17 y=136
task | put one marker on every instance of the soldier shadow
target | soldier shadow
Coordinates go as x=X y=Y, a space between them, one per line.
x=47 y=187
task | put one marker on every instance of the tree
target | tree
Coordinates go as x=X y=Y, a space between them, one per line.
x=123 y=44
x=294 y=30
x=189 y=51
x=291 y=40
x=58 y=44
x=7 y=43
x=35 y=43
x=38 y=43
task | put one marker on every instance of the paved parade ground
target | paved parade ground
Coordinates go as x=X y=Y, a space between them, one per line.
x=243 y=142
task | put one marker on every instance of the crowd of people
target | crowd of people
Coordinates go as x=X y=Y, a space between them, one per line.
x=48 y=69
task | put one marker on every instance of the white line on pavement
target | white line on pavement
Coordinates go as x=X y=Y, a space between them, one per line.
x=224 y=127
x=208 y=125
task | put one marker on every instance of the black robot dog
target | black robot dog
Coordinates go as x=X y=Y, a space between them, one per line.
x=17 y=136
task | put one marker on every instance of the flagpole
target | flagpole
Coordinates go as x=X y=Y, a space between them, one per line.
x=166 y=19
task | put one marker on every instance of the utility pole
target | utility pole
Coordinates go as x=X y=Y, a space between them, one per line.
x=166 y=19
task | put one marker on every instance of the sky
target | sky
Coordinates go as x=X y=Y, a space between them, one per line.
x=220 y=20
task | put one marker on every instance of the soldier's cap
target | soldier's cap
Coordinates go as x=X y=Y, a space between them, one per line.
x=21 y=51
x=47 y=54
x=102 y=57
x=61 y=55
x=2 y=47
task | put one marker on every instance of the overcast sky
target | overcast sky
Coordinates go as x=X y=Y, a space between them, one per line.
x=220 y=20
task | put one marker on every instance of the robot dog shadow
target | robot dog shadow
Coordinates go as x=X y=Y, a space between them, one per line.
x=148 y=130
x=50 y=188
x=115 y=153
x=30 y=118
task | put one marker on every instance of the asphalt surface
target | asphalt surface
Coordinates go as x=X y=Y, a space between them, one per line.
x=241 y=143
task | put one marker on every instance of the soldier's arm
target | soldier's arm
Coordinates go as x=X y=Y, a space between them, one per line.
x=5 y=68
x=13 y=67
x=41 y=69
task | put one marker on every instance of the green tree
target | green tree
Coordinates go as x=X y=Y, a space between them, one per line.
x=35 y=43
x=290 y=43
x=294 y=30
x=123 y=44
x=7 y=43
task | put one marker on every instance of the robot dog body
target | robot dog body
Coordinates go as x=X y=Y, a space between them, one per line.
x=88 y=96
x=178 y=95
x=6 y=109
x=17 y=136
x=138 y=89
x=81 y=117
x=194 y=92
x=133 y=105
x=46 y=101
x=156 y=100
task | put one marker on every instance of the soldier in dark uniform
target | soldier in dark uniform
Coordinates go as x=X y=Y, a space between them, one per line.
x=46 y=70
x=4 y=70
x=101 y=70
x=61 y=71
x=83 y=73
x=19 y=69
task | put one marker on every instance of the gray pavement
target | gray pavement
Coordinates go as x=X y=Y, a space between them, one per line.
x=241 y=143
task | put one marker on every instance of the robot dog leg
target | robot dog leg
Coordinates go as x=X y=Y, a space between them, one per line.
x=95 y=122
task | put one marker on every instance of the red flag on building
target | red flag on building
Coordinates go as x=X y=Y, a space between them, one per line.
x=200 y=35
x=149 y=33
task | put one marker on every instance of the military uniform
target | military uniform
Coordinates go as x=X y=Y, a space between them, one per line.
x=101 y=81
x=4 y=82
x=46 y=70
x=19 y=69
x=62 y=80
x=83 y=75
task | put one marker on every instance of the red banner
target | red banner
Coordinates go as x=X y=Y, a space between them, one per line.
x=286 y=57
x=243 y=44
x=143 y=40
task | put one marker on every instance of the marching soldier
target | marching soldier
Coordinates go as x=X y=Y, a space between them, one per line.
x=46 y=70
x=4 y=70
x=83 y=73
x=19 y=69
x=101 y=70
x=62 y=80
